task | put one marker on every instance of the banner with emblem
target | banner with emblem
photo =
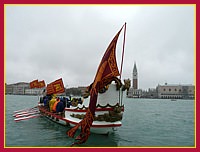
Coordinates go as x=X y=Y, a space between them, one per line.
x=34 y=84
x=107 y=71
x=41 y=84
x=56 y=87
x=49 y=89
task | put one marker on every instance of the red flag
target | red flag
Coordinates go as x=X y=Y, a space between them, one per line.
x=106 y=72
x=34 y=84
x=56 y=87
x=41 y=84
x=50 y=89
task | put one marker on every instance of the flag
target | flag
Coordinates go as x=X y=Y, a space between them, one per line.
x=41 y=84
x=34 y=84
x=50 y=89
x=56 y=87
x=106 y=72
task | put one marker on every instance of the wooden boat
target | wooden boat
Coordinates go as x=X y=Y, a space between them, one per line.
x=108 y=113
x=103 y=111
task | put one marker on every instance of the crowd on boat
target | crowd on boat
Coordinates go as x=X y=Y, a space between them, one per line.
x=57 y=104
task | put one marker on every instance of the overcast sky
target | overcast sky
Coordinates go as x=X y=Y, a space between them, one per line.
x=48 y=42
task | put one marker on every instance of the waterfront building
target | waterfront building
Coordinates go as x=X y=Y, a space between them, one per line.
x=21 y=88
x=150 y=93
x=35 y=91
x=173 y=91
x=17 y=88
x=8 y=89
x=134 y=93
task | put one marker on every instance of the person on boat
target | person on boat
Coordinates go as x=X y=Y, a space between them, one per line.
x=51 y=102
x=55 y=104
x=43 y=96
x=68 y=102
x=63 y=100
x=49 y=97
x=74 y=102
x=60 y=108
x=80 y=101
x=45 y=100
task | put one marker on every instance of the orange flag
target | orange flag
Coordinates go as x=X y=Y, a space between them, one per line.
x=56 y=87
x=49 y=89
x=41 y=84
x=34 y=84
x=106 y=72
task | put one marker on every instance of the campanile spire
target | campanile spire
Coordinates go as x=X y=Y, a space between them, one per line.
x=135 y=77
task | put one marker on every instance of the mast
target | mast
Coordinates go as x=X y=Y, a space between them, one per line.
x=122 y=60
x=123 y=50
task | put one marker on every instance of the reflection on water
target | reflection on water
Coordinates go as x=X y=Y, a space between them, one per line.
x=94 y=140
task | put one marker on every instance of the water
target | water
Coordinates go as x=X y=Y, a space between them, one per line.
x=146 y=123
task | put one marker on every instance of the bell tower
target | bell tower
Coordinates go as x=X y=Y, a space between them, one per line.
x=135 y=77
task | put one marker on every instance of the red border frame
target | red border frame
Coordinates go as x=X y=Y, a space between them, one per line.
x=2 y=148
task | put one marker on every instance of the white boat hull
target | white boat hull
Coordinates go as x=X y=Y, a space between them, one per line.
x=98 y=127
x=108 y=113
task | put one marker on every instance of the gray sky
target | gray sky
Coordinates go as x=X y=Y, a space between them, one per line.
x=48 y=42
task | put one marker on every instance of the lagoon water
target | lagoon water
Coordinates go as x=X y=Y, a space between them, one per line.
x=146 y=123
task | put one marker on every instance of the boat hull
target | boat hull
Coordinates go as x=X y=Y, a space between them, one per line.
x=98 y=127
x=108 y=113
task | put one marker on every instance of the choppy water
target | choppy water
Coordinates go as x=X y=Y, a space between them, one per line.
x=146 y=122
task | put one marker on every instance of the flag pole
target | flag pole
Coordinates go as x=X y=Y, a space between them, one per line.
x=122 y=60
x=123 y=50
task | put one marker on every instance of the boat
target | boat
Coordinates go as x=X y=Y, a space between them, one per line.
x=173 y=100
x=101 y=108
x=108 y=113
